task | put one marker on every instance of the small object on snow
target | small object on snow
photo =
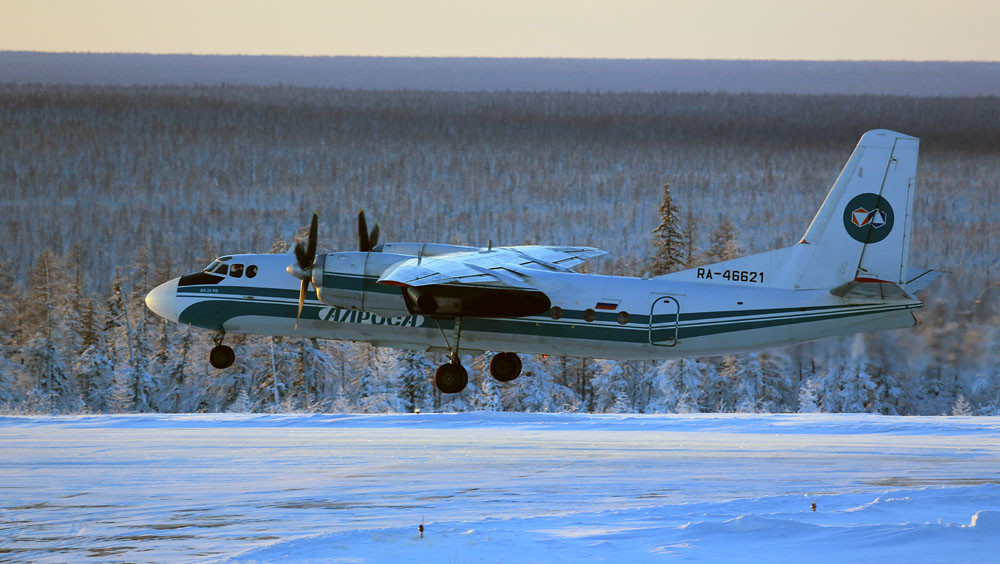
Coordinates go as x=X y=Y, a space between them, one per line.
x=421 y=527
x=813 y=506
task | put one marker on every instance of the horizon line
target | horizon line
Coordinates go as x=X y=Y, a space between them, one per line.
x=493 y=58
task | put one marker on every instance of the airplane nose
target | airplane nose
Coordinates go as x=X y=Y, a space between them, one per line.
x=162 y=300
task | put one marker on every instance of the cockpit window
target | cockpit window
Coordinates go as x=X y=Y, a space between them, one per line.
x=236 y=271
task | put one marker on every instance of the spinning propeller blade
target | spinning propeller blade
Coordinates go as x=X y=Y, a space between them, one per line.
x=362 y=232
x=305 y=257
x=302 y=299
x=366 y=240
x=305 y=254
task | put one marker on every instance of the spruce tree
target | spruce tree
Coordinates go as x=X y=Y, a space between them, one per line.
x=415 y=380
x=536 y=389
x=609 y=384
x=724 y=243
x=809 y=396
x=671 y=249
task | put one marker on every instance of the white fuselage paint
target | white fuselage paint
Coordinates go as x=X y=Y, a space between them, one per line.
x=715 y=318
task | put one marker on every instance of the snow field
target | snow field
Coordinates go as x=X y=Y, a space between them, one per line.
x=499 y=487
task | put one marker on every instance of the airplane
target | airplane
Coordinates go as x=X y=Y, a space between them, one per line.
x=849 y=273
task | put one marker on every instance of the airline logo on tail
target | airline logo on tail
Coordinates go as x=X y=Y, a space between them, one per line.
x=862 y=217
x=868 y=218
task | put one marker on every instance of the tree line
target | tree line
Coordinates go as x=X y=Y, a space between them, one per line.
x=109 y=190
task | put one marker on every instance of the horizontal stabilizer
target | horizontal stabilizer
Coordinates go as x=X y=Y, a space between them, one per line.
x=865 y=290
x=918 y=279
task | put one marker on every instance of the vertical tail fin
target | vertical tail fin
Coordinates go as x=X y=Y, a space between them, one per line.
x=861 y=233
x=862 y=230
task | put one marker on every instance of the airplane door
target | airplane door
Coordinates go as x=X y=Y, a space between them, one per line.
x=664 y=321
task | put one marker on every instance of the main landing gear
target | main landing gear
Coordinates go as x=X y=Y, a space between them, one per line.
x=451 y=378
x=505 y=366
x=221 y=356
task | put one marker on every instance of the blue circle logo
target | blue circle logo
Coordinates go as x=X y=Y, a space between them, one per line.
x=868 y=218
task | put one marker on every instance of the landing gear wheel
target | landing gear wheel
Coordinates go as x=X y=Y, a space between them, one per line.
x=505 y=366
x=451 y=378
x=221 y=356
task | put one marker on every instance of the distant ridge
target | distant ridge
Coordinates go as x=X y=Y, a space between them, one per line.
x=474 y=74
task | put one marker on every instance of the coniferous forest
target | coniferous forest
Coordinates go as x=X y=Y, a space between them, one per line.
x=106 y=191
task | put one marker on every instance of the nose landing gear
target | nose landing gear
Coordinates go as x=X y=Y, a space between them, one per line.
x=221 y=356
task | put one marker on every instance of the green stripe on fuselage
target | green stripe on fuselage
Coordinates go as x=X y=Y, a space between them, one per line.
x=217 y=308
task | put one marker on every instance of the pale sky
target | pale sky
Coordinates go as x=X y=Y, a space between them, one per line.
x=953 y=30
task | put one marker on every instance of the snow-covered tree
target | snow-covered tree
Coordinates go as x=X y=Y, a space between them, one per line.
x=670 y=244
x=242 y=402
x=319 y=374
x=748 y=384
x=961 y=407
x=724 y=244
x=856 y=384
x=677 y=386
x=886 y=396
x=379 y=383
x=809 y=400
x=490 y=398
x=415 y=381
x=173 y=386
x=95 y=374
x=609 y=385
x=144 y=383
x=11 y=385
x=721 y=385
x=776 y=393
x=536 y=390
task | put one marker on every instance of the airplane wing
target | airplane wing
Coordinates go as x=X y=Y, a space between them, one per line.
x=503 y=266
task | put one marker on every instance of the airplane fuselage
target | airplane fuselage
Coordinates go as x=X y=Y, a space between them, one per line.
x=592 y=315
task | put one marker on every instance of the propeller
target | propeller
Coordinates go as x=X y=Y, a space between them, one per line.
x=305 y=257
x=366 y=241
x=305 y=254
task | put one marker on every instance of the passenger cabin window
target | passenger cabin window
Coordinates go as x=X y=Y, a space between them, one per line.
x=236 y=270
x=251 y=271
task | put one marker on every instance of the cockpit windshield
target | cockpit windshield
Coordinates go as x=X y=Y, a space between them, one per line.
x=220 y=267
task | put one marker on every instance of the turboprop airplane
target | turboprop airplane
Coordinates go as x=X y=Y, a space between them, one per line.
x=847 y=274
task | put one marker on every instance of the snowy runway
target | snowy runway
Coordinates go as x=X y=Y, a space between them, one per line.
x=499 y=488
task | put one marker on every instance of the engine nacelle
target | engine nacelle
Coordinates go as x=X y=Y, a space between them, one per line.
x=348 y=280
x=474 y=301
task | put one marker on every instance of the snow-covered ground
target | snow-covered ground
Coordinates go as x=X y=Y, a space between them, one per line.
x=499 y=488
